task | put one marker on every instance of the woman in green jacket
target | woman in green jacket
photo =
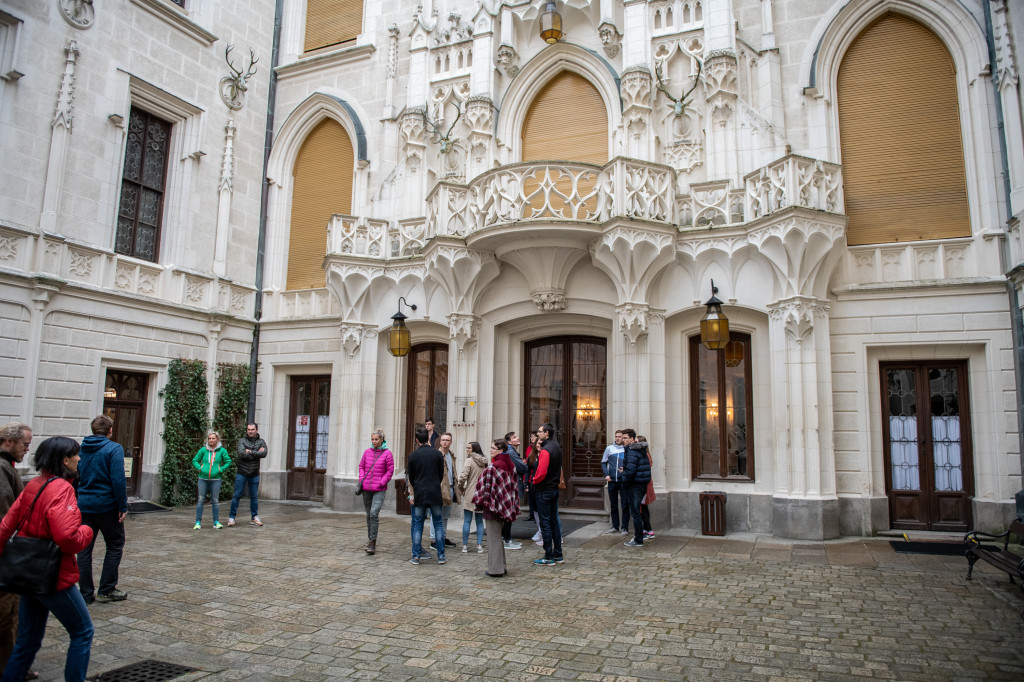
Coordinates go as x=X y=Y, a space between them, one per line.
x=211 y=461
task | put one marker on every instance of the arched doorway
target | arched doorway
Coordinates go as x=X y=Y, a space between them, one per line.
x=566 y=385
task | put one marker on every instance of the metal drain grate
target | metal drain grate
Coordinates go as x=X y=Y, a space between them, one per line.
x=144 y=671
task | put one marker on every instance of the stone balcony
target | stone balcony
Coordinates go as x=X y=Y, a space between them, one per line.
x=580 y=199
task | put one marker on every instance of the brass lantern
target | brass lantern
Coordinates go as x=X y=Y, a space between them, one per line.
x=399 y=338
x=714 y=326
x=551 y=24
x=734 y=352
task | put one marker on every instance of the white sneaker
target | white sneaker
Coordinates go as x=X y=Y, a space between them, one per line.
x=479 y=549
x=512 y=544
x=231 y=522
x=537 y=536
x=465 y=549
x=256 y=521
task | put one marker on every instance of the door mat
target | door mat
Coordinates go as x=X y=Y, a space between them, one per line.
x=144 y=671
x=525 y=528
x=937 y=548
x=145 y=507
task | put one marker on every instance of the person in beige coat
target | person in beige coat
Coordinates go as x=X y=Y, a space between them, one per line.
x=475 y=465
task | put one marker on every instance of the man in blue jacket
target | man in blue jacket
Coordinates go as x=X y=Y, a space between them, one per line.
x=636 y=474
x=103 y=501
x=612 y=463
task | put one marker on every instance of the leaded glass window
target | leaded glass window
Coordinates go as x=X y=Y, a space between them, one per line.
x=143 y=181
x=721 y=410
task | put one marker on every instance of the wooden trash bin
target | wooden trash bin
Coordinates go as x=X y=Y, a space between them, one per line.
x=712 y=513
x=402 y=498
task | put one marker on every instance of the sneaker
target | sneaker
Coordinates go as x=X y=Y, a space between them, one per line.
x=197 y=526
x=633 y=543
x=512 y=544
x=624 y=531
x=256 y=521
x=448 y=543
x=218 y=525
x=433 y=545
x=231 y=523
x=415 y=561
x=465 y=549
x=113 y=595
x=611 y=531
x=648 y=535
x=479 y=549
x=544 y=562
x=441 y=561
x=539 y=543
x=537 y=537
x=560 y=560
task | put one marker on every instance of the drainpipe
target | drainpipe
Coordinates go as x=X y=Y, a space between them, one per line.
x=261 y=241
x=1017 y=324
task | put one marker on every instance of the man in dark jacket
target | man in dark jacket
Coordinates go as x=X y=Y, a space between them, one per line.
x=545 y=483
x=103 y=501
x=251 y=449
x=423 y=476
x=636 y=474
x=15 y=439
x=521 y=472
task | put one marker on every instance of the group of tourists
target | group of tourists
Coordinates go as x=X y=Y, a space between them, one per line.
x=627 y=470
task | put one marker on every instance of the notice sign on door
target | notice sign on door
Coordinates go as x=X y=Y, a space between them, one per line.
x=304 y=420
x=128 y=462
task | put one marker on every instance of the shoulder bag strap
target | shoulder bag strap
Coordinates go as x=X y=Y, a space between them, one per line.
x=370 y=470
x=32 y=506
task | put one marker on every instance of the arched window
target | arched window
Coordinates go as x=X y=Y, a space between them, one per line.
x=567 y=121
x=322 y=187
x=899 y=126
x=331 y=22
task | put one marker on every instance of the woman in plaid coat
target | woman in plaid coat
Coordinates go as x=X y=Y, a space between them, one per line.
x=497 y=496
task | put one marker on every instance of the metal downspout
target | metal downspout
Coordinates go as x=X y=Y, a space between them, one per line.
x=1017 y=324
x=261 y=241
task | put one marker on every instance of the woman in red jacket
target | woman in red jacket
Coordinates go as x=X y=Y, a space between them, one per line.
x=54 y=516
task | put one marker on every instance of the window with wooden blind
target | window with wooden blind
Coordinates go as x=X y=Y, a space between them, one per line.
x=323 y=178
x=331 y=22
x=567 y=121
x=899 y=126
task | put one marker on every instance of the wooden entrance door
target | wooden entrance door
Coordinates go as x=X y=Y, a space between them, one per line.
x=565 y=381
x=926 y=429
x=124 y=401
x=428 y=394
x=308 y=436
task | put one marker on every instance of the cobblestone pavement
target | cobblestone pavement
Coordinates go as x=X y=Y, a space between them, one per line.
x=299 y=599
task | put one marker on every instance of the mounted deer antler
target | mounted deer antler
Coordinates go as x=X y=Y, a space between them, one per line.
x=678 y=103
x=445 y=140
x=237 y=82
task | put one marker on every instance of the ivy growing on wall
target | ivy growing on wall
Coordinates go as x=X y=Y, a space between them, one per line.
x=186 y=405
x=233 y=382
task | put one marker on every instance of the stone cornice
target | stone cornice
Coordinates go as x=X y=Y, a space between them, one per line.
x=174 y=16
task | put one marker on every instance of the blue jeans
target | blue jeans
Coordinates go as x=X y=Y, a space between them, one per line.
x=69 y=608
x=212 y=486
x=619 y=499
x=419 y=513
x=636 y=493
x=254 y=489
x=550 y=525
x=467 y=520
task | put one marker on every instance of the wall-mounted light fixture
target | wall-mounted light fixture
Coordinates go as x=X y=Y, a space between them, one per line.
x=714 y=326
x=399 y=338
x=551 y=24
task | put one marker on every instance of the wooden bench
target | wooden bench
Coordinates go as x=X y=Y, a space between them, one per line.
x=1006 y=561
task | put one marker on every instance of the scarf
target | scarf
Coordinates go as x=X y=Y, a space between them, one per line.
x=504 y=462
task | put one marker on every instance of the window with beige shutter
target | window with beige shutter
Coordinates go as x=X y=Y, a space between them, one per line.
x=322 y=178
x=899 y=126
x=567 y=121
x=331 y=22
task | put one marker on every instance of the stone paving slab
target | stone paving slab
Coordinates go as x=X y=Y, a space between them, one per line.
x=298 y=599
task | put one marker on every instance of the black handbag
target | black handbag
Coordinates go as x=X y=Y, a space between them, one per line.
x=30 y=565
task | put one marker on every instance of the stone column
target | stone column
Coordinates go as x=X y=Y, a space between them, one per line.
x=354 y=390
x=805 y=504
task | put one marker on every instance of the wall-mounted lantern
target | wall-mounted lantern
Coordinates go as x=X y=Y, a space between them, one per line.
x=399 y=338
x=551 y=24
x=714 y=326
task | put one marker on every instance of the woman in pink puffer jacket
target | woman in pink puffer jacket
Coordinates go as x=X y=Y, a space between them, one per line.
x=375 y=471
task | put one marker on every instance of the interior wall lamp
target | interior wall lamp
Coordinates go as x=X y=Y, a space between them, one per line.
x=551 y=24
x=714 y=326
x=399 y=338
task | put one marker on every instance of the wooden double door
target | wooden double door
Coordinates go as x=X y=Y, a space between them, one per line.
x=926 y=427
x=565 y=385
x=308 y=437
